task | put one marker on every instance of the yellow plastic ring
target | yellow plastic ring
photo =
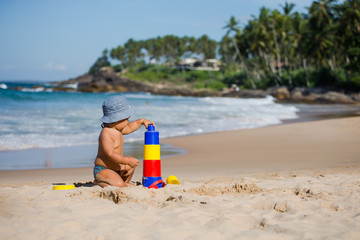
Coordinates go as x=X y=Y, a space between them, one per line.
x=63 y=187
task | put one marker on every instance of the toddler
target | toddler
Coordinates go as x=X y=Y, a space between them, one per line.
x=111 y=166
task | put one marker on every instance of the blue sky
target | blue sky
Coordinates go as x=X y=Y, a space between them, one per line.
x=60 y=39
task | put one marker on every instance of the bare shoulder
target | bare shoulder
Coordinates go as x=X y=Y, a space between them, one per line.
x=107 y=133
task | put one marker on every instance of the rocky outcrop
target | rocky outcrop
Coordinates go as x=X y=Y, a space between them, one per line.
x=281 y=93
x=298 y=95
x=107 y=80
x=312 y=95
x=182 y=91
x=246 y=93
x=355 y=97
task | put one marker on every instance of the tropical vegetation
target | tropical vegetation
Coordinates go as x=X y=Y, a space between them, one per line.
x=319 y=48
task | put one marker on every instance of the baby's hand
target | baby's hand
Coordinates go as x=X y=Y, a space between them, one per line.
x=147 y=123
x=133 y=162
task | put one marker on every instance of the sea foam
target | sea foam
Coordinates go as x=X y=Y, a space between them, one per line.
x=52 y=119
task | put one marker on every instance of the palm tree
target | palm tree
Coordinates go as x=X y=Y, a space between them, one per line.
x=191 y=45
x=265 y=40
x=287 y=35
x=133 y=51
x=320 y=43
x=233 y=26
x=118 y=53
x=224 y=49
x=207 y=47
x=151 y=47
x=299 y=27
x=287 y=8
x=278 y=31
x=100 y=62
x=348 y=32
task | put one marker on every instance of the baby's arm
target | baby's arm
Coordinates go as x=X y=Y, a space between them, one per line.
x=107 y=145
x=135 y=125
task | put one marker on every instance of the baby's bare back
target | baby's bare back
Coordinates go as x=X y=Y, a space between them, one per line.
x=109 y=140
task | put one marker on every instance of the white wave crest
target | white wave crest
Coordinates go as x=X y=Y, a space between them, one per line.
x=65 y=119
x=3 y=86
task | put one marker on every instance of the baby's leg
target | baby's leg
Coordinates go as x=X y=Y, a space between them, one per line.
x=109 y=177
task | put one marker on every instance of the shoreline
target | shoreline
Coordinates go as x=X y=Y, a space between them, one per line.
x=84 y=155
x=283 y=94
x=323 y=112
x=51 y=158
x=227 y=141
x=318 y=144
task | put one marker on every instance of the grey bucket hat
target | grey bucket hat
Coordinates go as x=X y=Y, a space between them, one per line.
x=116 y=108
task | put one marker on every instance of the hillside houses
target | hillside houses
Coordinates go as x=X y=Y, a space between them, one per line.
x=191 y=64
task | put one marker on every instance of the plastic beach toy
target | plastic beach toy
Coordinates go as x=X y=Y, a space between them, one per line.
x=63 y=187
x=172 y=180
x=152 y=164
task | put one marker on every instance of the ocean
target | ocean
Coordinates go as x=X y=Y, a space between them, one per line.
x=35 y=119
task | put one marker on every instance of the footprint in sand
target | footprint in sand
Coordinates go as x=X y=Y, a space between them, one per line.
x=281 y=206
x=237 y=188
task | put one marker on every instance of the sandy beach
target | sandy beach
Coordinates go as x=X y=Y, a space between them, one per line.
x=292 y=181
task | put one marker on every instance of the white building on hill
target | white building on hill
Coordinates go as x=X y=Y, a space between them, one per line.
x=197 y=64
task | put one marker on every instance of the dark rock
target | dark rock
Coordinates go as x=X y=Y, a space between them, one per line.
x=297 y=94
x=335 y=97
x=107 y=80
x=97 y=87
x=316 y=90
x=18 y=88
x=83 y=79
x=63 y=89
x=311 y=98
x=355 y=97
x=246 y=94
x=320 y=96
x=280 y=93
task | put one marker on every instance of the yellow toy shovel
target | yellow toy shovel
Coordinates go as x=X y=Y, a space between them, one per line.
x=172 y=180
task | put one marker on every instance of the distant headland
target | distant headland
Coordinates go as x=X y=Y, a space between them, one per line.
x=309 y=57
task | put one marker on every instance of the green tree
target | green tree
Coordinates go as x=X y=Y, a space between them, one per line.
x=100 y=62
x=118 y=53
x=299 y=27
x=171 y=48
x=153 y=47
x=287 y=38
x=133 y=53
x=191 y=45
x=206 y=47
x=233 y=27
x=225 y=50
x=319 y=37
x=278 y=32
x=348 y=32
